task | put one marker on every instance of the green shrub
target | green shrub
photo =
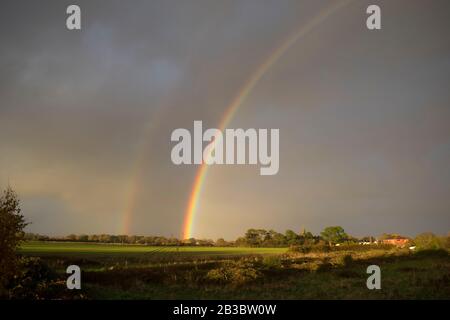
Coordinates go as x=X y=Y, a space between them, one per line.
x=300 y=249
x=37 y=281
x=346 y=260
x=429 y=241
x=321 y=248
x=272 y=262
x=362 y=248
x=317 y=248
x=32 y=279
x=236 y=272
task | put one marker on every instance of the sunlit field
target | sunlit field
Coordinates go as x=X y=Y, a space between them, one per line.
x=42 y=248
x=126 y=254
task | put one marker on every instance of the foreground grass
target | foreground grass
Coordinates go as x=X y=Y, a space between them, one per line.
x=137 y=272
x=403 y=277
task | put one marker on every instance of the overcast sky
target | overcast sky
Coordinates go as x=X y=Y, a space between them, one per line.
x=364 y=116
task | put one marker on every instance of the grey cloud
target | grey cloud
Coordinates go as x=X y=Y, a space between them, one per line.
x=363 y=116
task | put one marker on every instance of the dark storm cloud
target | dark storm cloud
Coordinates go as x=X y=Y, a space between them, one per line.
x=363 y=116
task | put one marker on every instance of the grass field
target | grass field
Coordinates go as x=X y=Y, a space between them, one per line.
x=141 y=272
x=42 y=248
x=96 y=255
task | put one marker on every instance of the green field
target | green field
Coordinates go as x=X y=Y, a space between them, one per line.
x=68 y=248
x=96 y=255
x=111 y=271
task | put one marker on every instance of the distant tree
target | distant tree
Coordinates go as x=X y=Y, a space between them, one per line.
x=334 y=234
x=12 y=224
x=351 y=239
x=270 y=238
x=93 y=238
x=172 y=241
x=306 y=238
x=367 y=239
x=251 y=237
x=429 y=241
x=31 y=236
x=221 y=243
x=83 y=238
x=190 y=242
x=123 y=238
x=72 y=237
x=291 y=237
x=205 y=242
x=240 y=242
x=254 y=237
x=105 y=238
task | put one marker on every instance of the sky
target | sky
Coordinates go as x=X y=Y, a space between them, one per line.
x=364 y=115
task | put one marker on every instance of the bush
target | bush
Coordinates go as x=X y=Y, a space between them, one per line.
x=299 y=249
x=272 y=262
x=32 y=279
x=319 y=248
x=238 y=272
x=36 y=280
x=346 y=260
x=362 y=248
x=429 y=241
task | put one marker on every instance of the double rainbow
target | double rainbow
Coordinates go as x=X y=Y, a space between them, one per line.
x=237 y=102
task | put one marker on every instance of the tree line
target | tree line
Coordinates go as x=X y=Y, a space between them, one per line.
x=252 y=238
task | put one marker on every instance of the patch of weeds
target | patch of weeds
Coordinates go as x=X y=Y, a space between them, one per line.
x=272 y=262
x=234 y=272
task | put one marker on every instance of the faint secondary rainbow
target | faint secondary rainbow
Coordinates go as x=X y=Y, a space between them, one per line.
x=197 y=187
x=132 y=195
x=140 y=162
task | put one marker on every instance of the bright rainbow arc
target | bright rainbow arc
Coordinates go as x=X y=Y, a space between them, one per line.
x=197 y=187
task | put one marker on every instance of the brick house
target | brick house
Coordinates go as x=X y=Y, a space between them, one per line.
x=400 y=242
